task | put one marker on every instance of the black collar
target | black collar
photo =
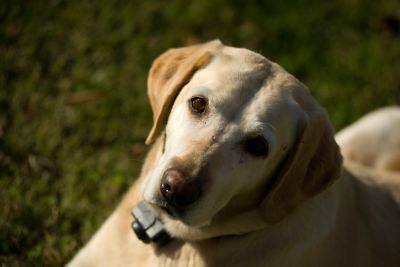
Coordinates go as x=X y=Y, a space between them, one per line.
x=147 y=227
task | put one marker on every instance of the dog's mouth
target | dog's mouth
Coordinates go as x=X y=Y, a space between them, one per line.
x=170 y=210
x=161 y=206
x=186 y=215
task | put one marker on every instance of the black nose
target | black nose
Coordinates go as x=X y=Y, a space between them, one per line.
x=178 y=190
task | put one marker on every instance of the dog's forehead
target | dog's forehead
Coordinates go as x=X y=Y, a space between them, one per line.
x=241 y=57
x=239 y=66
x=241 y=78
x=239 y=72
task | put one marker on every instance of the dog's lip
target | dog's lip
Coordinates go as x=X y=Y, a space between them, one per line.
x=168 y=209
x=163 y=211
x=160 y=205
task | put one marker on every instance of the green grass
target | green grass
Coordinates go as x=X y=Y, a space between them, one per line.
x=74 y=113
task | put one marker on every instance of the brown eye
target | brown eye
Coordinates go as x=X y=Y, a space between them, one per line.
x=257 y=146
x=198 y=104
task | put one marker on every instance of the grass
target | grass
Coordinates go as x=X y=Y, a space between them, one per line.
x=73 y=107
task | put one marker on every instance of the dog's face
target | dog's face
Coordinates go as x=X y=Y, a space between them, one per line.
x=235 y=128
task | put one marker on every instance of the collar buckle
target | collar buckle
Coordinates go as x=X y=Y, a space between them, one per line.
x=147 y=227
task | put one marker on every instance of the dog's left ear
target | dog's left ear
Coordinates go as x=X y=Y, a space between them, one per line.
x=169 y=73
x=313 y=163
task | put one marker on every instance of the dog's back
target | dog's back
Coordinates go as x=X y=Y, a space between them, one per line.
x=373 y=140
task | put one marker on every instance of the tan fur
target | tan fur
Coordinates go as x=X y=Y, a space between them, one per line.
x=298 y=206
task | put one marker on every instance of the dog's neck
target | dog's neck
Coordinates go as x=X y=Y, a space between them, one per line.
x=304 y=229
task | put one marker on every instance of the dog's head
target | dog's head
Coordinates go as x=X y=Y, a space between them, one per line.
x=242 y=135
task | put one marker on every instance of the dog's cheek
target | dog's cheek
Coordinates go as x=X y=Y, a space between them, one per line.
x=221 y=190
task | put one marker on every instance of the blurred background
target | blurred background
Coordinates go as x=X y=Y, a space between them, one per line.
x=73 y=108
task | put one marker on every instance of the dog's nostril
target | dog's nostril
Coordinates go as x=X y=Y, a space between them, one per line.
x=166 y=188
x=166 y=191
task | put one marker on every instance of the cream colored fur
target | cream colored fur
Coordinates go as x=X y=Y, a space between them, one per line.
x=296 y=207
x=374 y=140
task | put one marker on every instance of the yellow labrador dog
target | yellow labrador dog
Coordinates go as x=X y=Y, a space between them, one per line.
x=248 y=173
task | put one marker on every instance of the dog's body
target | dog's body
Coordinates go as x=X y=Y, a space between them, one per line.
x=248 y=173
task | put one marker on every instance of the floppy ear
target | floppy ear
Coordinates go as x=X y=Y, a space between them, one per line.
x=169 y=73
x=313 y=163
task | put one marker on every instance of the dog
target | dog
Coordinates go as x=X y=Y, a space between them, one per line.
x=247 y=172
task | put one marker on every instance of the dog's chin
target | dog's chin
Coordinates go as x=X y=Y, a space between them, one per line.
x=183 y=231
x=190 y=220
x=183 y=224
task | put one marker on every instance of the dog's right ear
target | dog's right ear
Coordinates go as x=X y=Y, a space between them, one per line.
x=312 y=165
x=169 y=73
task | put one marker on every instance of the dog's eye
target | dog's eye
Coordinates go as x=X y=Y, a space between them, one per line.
x=198 y=104
x=257 y=146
